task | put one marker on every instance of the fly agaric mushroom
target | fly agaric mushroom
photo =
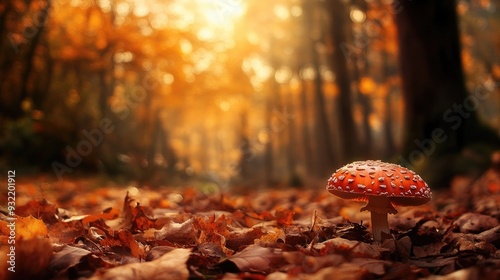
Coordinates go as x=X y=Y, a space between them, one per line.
x=383 y=185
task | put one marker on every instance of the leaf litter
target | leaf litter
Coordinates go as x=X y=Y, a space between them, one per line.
x=173 y=233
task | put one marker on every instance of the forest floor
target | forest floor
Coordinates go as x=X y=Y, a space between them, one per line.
x=83 y=229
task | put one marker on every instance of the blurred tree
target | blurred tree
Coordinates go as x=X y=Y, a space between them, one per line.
x=440 y=116
x=350 y=142
x=322 y=131
x=22 y=26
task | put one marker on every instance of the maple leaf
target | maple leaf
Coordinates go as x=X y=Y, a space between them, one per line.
x=29 y=227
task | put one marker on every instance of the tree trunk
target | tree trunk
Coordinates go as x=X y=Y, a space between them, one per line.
x=308 y=150
x=246 y=150
x=28 y=67
x=390 y=146
x=323 y=143
x=440 y=116
x=349 y=139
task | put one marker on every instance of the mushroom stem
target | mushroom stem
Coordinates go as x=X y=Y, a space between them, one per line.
x=379 y=208
x=379 y=225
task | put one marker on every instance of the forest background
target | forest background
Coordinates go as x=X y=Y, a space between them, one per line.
x=233 y=92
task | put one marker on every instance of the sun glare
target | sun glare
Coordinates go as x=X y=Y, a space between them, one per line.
x=221 y=13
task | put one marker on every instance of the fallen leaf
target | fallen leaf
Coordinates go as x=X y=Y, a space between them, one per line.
x=134 y=216
x=181 y=233
x=275 y=276
x=284 y=217
x=62 y=232
x=124 y=239
x=32 y=258
x=351 y=248
x=243 y=237
x=433 y=262
x=432 y=249
x=68 y=257
x=475 y=223
x=170 y=266
x=255 y=258
x=345 y=271
x=107 y=214
x=29 y=227
x=376 y=267
x=491 y=235
x=41 y=209
x=303 y=263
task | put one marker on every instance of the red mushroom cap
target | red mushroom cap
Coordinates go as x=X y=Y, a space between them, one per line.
x=361 y=179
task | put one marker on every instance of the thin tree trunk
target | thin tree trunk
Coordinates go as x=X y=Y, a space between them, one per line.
x=323 y=142
x=28 y=60
x=246 y=150
x=308 y=151
x=349 y=139
x=291 y=145
x=390 y=146
x=269 y=149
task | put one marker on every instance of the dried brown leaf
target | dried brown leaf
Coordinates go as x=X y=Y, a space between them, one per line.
x=491 y=235
x=32 y=259
x=124 y=239
x=181 y=233
x=243 y=237
x=107 y=214
x=68 y=257
x=475 y=223
x=170 y=266
x=284 y=217
x=255 y=258
x=303 y=263
x=432 y=249
x=62 y=232
x=29 y=227
x=345 y=271
x=350 y=248
x=376 y=267
x=41 y=209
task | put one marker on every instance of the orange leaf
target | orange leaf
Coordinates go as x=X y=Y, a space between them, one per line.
x=29 y=227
